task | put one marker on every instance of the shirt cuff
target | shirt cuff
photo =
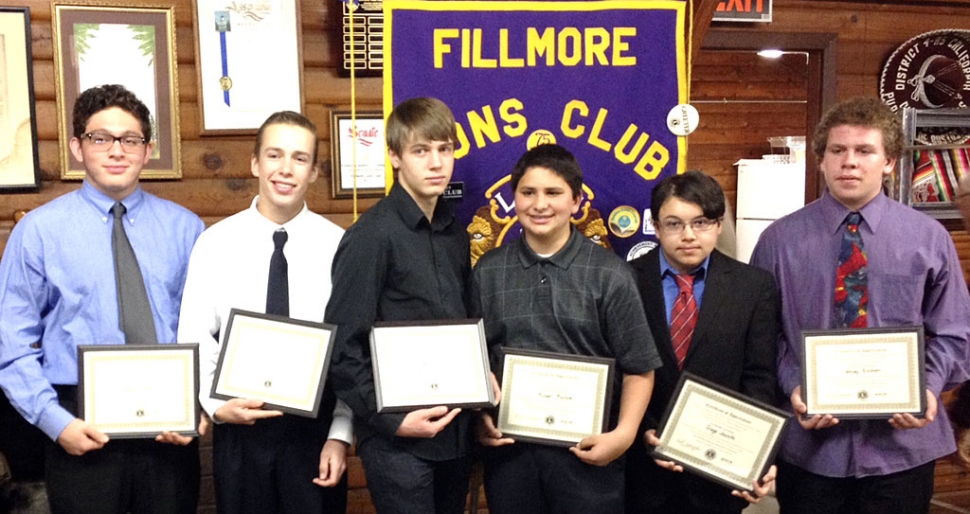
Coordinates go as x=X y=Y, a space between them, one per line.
x=54 y=420
x=387 y=424
x=935 y=383
x=342 y=426
x=211 y=405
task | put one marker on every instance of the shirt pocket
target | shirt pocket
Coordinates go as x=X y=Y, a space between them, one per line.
x=896 y=299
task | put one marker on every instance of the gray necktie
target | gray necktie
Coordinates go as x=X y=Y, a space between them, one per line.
x=134 y=310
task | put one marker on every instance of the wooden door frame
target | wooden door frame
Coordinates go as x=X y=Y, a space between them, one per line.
x=822 y=50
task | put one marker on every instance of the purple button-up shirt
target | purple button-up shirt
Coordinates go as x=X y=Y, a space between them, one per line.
x=914 y=279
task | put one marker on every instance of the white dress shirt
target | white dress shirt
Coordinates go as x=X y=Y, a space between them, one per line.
x=229 y=269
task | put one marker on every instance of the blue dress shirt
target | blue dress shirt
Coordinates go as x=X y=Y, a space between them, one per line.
x=57 y=289
x=671 y=289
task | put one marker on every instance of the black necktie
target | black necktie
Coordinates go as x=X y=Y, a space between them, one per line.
x=278 y=287
x=134 y=310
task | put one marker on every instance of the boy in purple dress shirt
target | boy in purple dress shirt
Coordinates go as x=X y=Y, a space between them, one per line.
x=913 y=278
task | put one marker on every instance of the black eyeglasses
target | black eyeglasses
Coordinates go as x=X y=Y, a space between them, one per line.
x=104 y=141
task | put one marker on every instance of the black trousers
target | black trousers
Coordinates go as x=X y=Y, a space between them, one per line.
x=800 y=491
x=651 y=489
x=137 y=476
x=400 y=483
x=269 y=467
x=526 y=478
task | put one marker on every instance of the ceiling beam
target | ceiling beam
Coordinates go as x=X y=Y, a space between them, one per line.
x=701 y=23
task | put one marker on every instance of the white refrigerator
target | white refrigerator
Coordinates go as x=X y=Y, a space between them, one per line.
x=767 y=190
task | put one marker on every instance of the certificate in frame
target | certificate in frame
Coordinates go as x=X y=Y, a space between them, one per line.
x=19 y=159
x=430 y=363
x=114 y=44
x=139 y=391
x=869 y=373
x=552 y=398
x=719 y=434
x=250 y=63
x=357 y=151
x=281 y=361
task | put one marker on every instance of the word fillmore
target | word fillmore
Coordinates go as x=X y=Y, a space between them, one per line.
x=570 y=46
x=577 y=121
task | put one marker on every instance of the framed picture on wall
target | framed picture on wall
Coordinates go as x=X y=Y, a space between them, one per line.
x=19 y=161
x=250 y=63
x=357 y=153
x=131 y=46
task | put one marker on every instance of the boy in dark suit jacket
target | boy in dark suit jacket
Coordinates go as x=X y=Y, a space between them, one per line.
x=710 y=315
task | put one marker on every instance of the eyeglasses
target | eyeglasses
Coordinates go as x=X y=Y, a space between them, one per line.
x=698 y=225
x=104 y=141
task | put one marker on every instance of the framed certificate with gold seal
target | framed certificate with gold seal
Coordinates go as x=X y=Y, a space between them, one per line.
x=281 y=361
x=139 y=391
x=719 y=433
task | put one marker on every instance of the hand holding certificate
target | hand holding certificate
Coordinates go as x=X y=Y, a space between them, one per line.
x=139 y=391
x=553 y=398
x=864 y=373
x=719 y=434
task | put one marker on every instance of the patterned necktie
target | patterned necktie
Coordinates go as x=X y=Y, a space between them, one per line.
x=851 y=279
x=683 y=317
x=278 y=287
x=134 y=310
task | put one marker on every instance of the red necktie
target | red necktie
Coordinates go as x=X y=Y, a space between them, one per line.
x=683 y=317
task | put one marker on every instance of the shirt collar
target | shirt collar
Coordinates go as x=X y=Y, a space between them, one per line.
x=834 y=213
x=412 y=215
x=271 y=226
x=698 y=272
x=561 y=259
x=103 y=203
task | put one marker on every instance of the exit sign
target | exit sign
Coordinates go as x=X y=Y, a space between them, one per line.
x=743 y=10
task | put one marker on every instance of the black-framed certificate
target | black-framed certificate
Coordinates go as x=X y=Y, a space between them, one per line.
x=869 y=373
x=139 y=391
x=552 y=398
x=719 y=434
x=430 y=363
x=281 y=361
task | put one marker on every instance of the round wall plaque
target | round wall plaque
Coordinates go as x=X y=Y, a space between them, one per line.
x=930 y=71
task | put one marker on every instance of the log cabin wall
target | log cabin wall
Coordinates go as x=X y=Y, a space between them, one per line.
x=742 y=101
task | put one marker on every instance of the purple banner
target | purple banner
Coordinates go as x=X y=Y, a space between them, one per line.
x=598 y=78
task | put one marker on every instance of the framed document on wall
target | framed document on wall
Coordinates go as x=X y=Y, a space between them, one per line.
x=249 y=63
x=19 y=161
x=357 y=153
x=114 y=44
